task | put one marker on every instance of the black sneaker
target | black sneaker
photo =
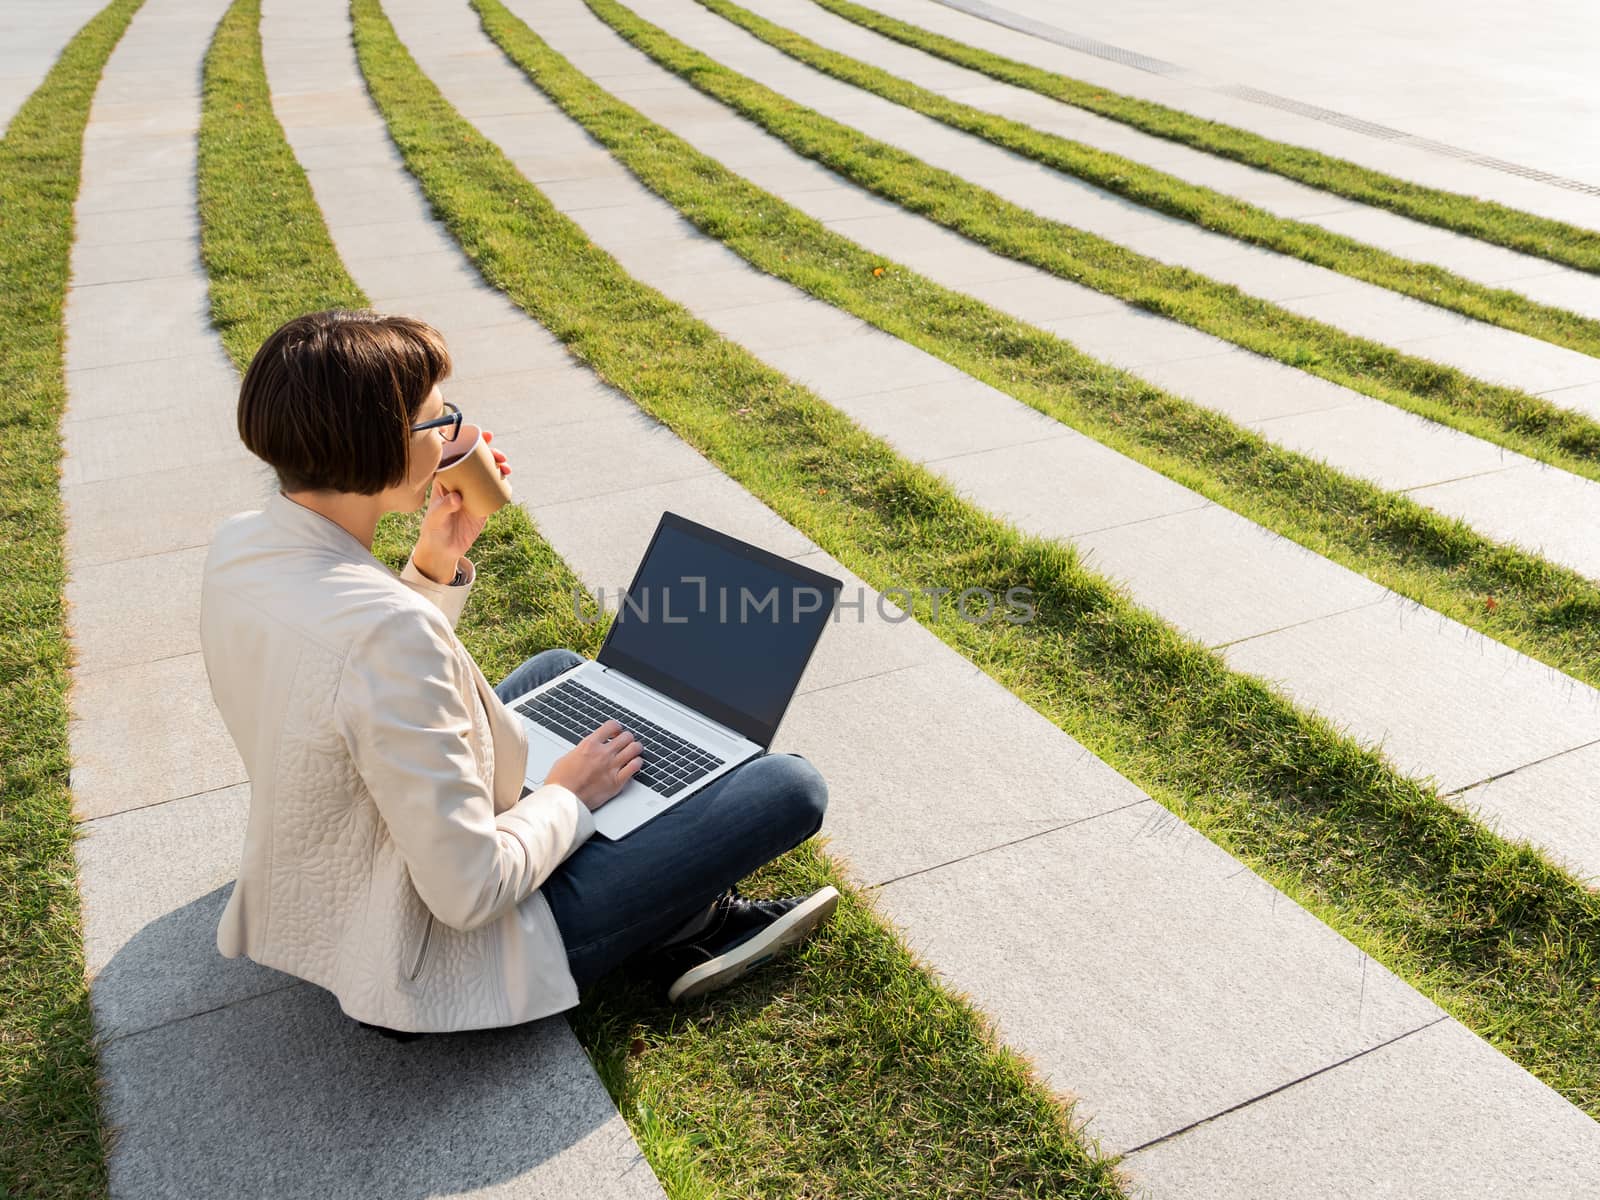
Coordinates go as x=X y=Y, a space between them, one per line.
x=742 y=934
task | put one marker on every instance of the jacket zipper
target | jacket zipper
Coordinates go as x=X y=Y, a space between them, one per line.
x=422 y=951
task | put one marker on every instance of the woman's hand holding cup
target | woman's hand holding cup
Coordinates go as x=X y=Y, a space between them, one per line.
x=448 y=529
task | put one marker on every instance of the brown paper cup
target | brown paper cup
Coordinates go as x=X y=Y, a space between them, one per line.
x=474 y=474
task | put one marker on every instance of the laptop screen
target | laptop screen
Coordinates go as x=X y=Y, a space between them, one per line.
x=719 y=625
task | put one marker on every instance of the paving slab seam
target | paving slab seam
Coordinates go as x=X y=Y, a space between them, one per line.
x=1326 y=296
x=1297 y=624
x=1525 y=766
x=1424 y=736
x=90 y=822
x=128 y=1035
x=1217 y=1116
x=877 y=775
x=1376 y=441
x=1121 y=525
x=880 y=884
x=1479 y=261
x=1399 y=161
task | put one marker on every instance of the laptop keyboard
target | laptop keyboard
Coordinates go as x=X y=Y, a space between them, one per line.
x=574 y=712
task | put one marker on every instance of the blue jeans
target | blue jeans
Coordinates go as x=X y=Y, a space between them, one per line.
x=613 y=899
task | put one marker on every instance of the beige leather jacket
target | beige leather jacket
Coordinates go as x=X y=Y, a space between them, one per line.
x=388 y=857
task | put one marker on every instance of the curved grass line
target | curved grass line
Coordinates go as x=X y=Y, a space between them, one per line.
x=1490 y=930
x=54 y=1139
x=1547 y=611
x=1486 y=220
x=271 y=258
x=1211 y=210
x=1506 y=416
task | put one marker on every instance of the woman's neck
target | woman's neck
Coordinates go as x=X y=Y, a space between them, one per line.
x=356 y=515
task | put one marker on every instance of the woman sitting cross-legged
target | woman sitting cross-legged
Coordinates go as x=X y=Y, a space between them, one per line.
x=391 y=855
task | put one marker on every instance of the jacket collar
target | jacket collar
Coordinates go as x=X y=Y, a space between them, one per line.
x=315 y=529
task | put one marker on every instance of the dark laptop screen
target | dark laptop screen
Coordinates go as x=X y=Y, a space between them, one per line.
x=720 y=625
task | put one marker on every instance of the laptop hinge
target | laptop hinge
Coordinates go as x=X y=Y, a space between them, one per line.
x=682 y=709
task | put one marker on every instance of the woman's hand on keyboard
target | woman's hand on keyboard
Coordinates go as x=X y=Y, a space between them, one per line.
x=597 y=768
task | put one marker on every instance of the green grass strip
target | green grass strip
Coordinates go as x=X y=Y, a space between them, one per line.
x=1549 y=612
x=948 y=1112
x=1494 y=933
x=52 y=1143
x=1556 y=241
x=1507 y=416
x=1203 y=206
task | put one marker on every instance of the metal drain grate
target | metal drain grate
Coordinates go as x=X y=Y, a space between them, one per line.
x=1155 y=66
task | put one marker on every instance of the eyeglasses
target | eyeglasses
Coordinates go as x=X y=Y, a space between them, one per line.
x=452 y=418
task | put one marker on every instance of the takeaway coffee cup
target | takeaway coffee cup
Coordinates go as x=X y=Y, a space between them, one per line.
x=468 y=467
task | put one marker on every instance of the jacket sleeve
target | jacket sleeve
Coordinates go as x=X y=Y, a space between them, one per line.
x=449 y=600
x=403 y=711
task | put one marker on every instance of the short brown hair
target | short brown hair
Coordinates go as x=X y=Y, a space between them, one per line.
x=329 y=400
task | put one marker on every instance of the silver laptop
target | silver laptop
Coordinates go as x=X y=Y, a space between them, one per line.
x=700 y=663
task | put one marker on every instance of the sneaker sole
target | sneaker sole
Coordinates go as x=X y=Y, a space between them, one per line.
x=782 y=935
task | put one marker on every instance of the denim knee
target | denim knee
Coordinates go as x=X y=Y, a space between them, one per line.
x=800 y=792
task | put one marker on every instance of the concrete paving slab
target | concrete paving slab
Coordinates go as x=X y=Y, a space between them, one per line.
x=145 y=157
x=144 y=320
x=508 y=343
x=1385 y=1124
x=1554 y=804
x=1552 y=513
x=793 y=321
x=146 y=734
x=124 y=389
x=283 y=1096
x=962 y=262
x=1491 y=710
x=1065 y=487
x=867 y=364
x=1113 y=985
x=34 y=33
x=1493 y=357
x=547 y=168
x=1132 y=339
x=135 y=610
x=395 y=278
x=154 y=886
x=111 y=263
x=103 y=527
x=120 y=447
x=1183 y=564
x=888 y=817
x=581 y=459
x=1390 y=446
x=958 y=416
x=132 y=226
x=97 y=197
x=527 y=400
x=1247 y=387
x=1581 y=399
x=571 y=194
